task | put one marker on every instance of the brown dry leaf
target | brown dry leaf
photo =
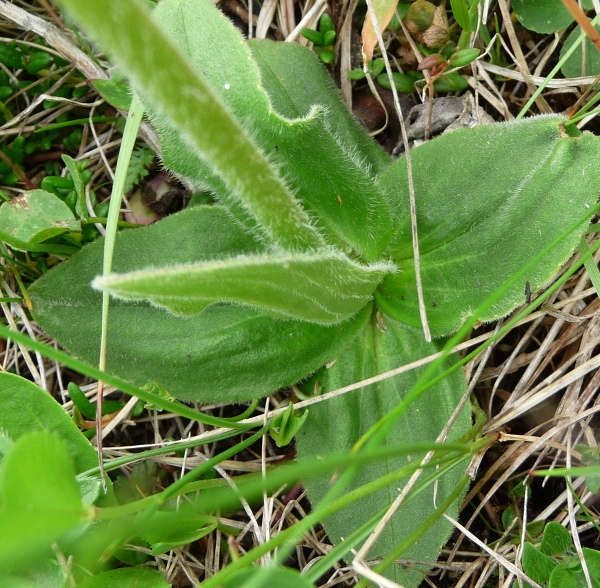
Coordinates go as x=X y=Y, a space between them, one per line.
x=384 y=10
x=438 y=34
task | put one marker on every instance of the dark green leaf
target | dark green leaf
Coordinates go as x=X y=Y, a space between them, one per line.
x=536 y=564
x=10 y=56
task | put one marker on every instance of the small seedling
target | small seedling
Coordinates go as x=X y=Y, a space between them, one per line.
x=555 y=564
x=322 y=39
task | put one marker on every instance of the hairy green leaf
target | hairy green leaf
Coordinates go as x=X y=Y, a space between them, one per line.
x=537 y=565
x=225 y=353
x=336 y=425
x=323 y=288
x=519 y=186
x=311 y=139
x=138 y=42
x=556 y=539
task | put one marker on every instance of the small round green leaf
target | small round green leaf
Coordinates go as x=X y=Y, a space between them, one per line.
x=542 y=16
x=36 y=216
x=38 y=61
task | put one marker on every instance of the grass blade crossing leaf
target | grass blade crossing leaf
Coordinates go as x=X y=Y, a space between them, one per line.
x=129 y=33
x=336 y=426
x=226 y=352
x=493 y=212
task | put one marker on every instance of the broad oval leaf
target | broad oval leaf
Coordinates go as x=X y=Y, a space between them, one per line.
x=225 y=353
x=519 y=186
x=25 y=407
x=323 y=288
x=336 y=424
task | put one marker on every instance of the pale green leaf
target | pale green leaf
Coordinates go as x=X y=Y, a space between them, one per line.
x=36 y=216
x=137 y=41
x=517 y=188
x=226 y=352
x=321 y=288
x=39 y=499
x=335 y=425
x=302 y=126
